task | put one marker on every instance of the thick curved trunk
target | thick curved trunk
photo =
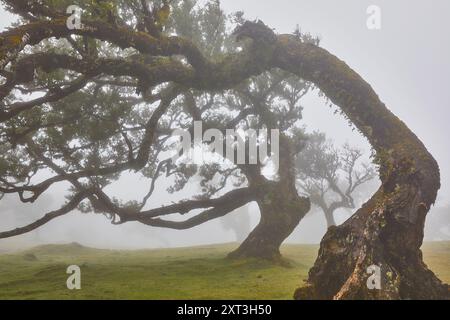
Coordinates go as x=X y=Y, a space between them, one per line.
x=281 y=211
x=280 y=206
x=388 y=230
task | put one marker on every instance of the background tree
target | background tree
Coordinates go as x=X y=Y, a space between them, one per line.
x=331 y=177
x=270 y=101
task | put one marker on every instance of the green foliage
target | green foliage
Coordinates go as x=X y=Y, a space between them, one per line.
x=103 y=124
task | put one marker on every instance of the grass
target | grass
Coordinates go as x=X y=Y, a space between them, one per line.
x=184 y=273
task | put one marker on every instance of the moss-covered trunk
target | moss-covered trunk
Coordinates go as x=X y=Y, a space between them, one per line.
x=388 y=230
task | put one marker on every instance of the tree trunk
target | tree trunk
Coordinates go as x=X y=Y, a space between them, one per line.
x=330 y=218
x=280 y=206
x=387 y=231
x=281 y=211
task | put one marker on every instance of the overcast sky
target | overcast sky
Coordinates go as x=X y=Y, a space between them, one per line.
x=406 y=62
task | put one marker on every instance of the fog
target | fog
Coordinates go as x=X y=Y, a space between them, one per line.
x=406 y=62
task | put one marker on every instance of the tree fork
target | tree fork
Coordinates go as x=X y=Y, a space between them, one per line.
x=280 y=206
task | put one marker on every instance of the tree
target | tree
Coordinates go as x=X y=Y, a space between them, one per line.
x=110 y=131
x=105 y=101
x=269 y=101
x=331 y=177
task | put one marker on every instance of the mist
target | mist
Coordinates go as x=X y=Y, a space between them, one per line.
x=406 y=62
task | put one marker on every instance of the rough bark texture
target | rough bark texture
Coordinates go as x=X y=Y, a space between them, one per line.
x=281 y=211
x=388 y=230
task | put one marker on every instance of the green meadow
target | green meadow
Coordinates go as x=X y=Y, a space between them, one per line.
x=182 y=273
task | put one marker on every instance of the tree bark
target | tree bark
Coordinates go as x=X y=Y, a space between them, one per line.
x=280 y=206
x=388 y=230
x=281 y=210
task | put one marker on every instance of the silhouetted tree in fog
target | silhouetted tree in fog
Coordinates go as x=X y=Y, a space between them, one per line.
x=330 y=177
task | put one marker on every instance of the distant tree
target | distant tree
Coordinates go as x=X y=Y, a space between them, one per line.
x=329 y=176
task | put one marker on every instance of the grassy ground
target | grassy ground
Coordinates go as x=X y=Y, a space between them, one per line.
x=187 y=273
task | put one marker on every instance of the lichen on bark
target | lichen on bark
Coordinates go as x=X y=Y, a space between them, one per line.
x=388 y=230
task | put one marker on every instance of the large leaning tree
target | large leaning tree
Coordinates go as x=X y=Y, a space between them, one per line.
x=122 y=48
